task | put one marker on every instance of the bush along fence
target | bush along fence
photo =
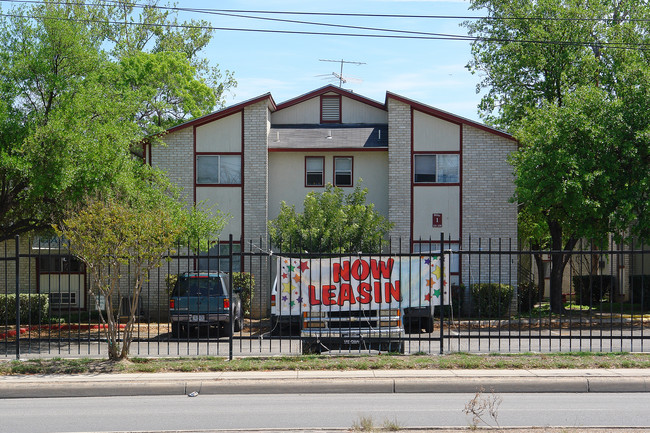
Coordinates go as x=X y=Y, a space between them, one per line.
x=242 y=298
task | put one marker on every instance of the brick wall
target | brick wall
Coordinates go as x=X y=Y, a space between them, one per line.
x=256 y=195
x=26 y=270
x=487 y=212
x=399 y=171
x=177 y=160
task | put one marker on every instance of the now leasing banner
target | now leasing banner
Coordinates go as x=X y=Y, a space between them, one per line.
x=361 y=282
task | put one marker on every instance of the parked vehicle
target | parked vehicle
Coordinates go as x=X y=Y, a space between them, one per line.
x=200 y=299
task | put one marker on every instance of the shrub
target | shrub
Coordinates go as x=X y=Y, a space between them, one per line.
x=591 y=289
x=640 y=290
x=246 y=282
x=491 y=300
x=528 y=294
x=458 y=299
x=33 y=308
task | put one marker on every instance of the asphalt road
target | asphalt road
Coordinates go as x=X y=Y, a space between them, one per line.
x=165 y=413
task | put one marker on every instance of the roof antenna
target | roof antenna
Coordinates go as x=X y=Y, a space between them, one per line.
x=340 y=76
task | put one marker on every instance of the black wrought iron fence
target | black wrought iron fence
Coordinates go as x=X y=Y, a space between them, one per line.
x=242 y=299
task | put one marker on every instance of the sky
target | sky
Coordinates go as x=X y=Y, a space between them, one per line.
x=288 y=65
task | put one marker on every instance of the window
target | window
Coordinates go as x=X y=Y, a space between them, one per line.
x=343 y=171
x=330 y=109
x=314 y=169
x=54 y=264
x=218 y=169
x=218 y=258
x=438 y=168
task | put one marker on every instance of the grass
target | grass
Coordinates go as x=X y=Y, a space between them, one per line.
x=568 y=360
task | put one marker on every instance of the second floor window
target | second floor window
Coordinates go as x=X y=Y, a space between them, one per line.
x=218 y=169
x=343 y=171
x=314 y=171
x=436 y=168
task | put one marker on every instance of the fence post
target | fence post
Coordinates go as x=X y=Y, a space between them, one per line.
x=232 y=304
x=442 y=291
x=17 y=248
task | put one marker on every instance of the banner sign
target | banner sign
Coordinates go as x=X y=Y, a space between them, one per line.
x=361 y=282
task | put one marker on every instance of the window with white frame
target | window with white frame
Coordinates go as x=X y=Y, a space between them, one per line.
x=218 y=169
x=343 y=171
x=314 y=171
x=436 y=168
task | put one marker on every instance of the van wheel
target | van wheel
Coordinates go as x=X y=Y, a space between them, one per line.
x=311 y=347
x=176 y=329
x=428 y=325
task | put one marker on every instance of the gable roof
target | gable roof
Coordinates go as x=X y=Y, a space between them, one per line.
x=225 y=112
x=331 y=89
x=445 y=115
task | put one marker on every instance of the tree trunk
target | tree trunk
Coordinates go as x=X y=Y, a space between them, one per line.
x=560 y=255
x=539 y=263
x=557 y=267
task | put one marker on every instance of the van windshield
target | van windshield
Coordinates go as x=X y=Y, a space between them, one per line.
x=198 y=286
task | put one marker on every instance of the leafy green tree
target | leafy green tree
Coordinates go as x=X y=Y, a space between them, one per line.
x=79 y=88
x=566 y=77
x=331 y=222
x=135 y=229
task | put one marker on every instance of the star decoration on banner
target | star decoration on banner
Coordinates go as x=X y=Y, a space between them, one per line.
x=299 y=299
x=430 y=282
x=286 y=287
x=427 y=262
x=303 y=266
x=436 y=293
x=284 y=298
x=285 y=276
x=427 y=297
x=291 y=268
x=437 y=272
x=296 y=278
x=292 y=303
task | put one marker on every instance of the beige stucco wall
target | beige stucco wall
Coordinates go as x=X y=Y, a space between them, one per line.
x=287 y=177
x=304 y=112
x=223 y=135
x=227 y=200
x=428 y=200
x=357 y=112
x=308 y=112
x=433 y=134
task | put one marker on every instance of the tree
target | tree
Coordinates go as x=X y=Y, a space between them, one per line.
x=135 y=228
x=79 y=91
x=566 y=77
x=331 y=222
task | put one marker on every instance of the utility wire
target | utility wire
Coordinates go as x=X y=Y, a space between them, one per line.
x=417 y=35
x=341 y=14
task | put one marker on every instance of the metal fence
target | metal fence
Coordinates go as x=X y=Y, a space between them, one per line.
x=48 y=307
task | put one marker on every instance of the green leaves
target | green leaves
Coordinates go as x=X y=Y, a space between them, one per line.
x=77 y=94
x=331 y=222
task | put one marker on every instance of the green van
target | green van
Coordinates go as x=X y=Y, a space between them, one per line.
x=200 y=299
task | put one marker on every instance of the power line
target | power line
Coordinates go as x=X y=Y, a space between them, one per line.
x=419 y=35
x=338 y=14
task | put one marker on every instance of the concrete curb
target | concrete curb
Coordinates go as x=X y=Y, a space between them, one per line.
x=69 y=387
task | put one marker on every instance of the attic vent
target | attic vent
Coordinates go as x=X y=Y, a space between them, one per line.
x=330 y=109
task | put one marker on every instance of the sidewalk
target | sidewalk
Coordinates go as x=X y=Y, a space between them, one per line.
x=302 y=382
